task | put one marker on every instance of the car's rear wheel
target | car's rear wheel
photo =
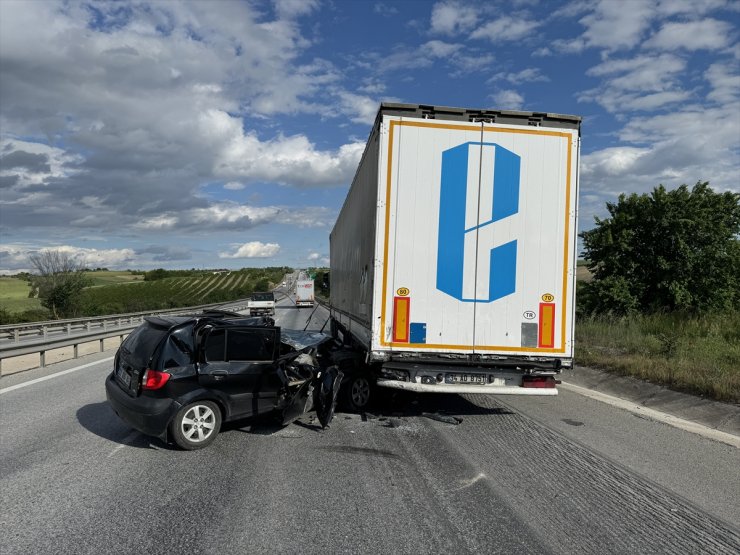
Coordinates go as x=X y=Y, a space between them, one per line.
x=196 y=425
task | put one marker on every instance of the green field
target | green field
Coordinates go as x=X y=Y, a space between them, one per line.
x=14 y=296
x=204 y=287
x=112 y=278
x=122 y=292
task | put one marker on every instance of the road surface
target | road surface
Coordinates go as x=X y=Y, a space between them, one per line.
x=520 y=475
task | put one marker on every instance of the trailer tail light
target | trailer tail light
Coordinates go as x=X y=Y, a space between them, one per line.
x=539 y=381
x=153 y=379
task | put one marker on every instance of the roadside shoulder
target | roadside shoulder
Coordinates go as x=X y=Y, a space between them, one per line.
x=724 y=417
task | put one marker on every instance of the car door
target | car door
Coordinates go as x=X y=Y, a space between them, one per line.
x=238 y=363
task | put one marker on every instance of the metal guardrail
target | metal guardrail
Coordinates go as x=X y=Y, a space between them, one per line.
x=125 y=323
x=19 y=332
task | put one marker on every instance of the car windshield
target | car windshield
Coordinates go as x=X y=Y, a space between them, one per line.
x=263 y=297
x=139 y=346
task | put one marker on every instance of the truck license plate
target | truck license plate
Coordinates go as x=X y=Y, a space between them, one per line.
x=467 y=379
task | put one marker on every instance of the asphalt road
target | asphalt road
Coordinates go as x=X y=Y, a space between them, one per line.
x=519 y=475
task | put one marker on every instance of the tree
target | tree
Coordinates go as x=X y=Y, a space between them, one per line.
x=59 y=282
x=665 y=251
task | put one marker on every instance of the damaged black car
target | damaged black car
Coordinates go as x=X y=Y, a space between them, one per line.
x=179 y=378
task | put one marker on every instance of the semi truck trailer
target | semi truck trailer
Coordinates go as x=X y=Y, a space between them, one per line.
x=304 y=292
x=453 y=257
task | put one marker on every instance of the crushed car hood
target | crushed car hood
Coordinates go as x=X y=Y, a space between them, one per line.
x=300 y=340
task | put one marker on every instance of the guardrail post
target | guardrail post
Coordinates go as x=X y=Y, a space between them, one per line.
x=101 y=345
x=42 y=359
x=76 y=348
x=44 y=331
x=16 y=335
x=88 y=325
x=69 y=329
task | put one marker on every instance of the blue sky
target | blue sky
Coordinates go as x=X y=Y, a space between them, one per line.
x=226 y=133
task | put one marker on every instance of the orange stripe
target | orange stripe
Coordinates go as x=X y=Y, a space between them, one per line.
x=566 y=245
x=389 y=174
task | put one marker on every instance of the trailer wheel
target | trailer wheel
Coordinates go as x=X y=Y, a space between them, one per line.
x=358 y=392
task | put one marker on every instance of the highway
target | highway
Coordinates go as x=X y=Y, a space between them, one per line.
x=566 y=474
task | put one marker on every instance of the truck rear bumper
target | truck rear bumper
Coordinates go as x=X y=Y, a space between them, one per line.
x=460 y=388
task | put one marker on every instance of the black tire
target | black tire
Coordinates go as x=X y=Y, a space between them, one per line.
x=357 y=392
x=196 y=425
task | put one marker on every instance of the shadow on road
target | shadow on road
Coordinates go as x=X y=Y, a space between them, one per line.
x=403 y=403
x=100 y=419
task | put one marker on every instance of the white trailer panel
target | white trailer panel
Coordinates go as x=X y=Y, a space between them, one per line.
x=472 y=236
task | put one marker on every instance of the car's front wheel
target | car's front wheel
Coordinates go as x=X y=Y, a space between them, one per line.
x=196 y=425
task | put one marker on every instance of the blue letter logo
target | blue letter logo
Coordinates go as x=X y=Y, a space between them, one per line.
x=472 y=200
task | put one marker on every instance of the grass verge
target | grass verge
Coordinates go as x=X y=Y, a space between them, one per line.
x=695 y=354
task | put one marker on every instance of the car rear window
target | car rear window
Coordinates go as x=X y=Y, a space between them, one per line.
x=141 y=343
x=263 y=297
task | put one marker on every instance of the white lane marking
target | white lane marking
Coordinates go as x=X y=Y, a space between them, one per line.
x=467 y=483
x=124 y=443
x=658 y=416
x=52 y=376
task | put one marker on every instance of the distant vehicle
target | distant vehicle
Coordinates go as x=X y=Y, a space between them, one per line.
x=453 y=257
x=282 y=284
x=304 y=292
x=261 y=303
x=181 y=377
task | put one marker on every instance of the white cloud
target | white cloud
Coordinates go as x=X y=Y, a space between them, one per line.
x=707 y=34
x=289 y=9
x=234 y=186
x=684 y=146
x=610 y=25
x=16 y=257
x=308 y=216
x=231 y=215
x=527 y=75
x=313 y=256
x=507 y=99
x=359 y=108
x=724 y=78
x=253 y=249
x=34 y=163
x=157 y=223
x=449 y=18
x=505 y=28
x=639 y=83
x=290 y=160
x=441 y=49
x=689 y=7
x=234 y=216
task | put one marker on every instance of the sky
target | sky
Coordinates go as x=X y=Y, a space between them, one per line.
x=225 y=134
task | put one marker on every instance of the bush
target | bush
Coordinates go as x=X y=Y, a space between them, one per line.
x=666 y=251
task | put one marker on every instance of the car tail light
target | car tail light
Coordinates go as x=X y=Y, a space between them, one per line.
x=538 y=381
x=153 y=379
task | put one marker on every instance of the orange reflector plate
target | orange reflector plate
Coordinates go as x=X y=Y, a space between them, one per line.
x=401 y=309
x=547 y=327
